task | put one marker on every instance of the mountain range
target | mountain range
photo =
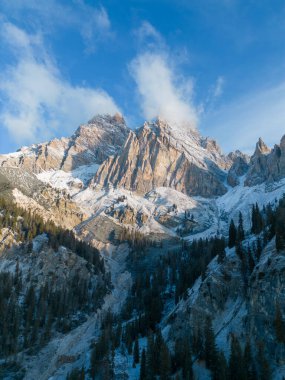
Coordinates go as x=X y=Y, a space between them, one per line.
x=123 y=245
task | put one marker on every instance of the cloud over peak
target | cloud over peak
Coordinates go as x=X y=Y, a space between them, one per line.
x=161 y=91
x=36 y=102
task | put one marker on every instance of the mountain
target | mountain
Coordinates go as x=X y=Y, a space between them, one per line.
x=115 y=241
x=267 y=164
x=157 y=156
x=91 y=143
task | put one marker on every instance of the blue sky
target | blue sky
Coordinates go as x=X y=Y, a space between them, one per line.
x=216 y=65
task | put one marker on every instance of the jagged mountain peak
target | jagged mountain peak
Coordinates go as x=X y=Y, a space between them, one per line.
x=185 y=139
x=267 y=165
x=92 y=143
x=178 y=130
x=106 y=119
x=157 y=154
x=261 y=147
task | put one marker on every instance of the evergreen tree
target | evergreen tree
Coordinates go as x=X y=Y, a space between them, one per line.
x=232 y=234
x=279 y=325
x=221 y=370
x=256 y=220
x=143 y=366
x=165 y=363
x=187 y=369
x=258 y=248
x=150 y=365
x=248 y=367
x=136 y=352
x=235 y=362
x=264 y=368
x=210 y=346
x=240 y=229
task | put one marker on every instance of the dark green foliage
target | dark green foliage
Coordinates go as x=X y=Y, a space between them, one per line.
x=136 y=351
x=264 y=368
x=29 y=313
x=280 y=225
x=256 y=220
x=158 y=359
x=248 y=363
x=102 y=354
x=183 y=358
x=235 y=362
x=279 y=325
x=143 y=366
x=40 y=311
x=27 y=226
x=76 y=374
x=210 y=349
x=240 y=230
x=221 y=369
x=232 y=235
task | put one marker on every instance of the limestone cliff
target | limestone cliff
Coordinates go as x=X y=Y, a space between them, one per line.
x=157 y=155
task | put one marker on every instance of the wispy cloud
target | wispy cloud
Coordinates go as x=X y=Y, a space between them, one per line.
x=219 y=87
x=161 y=89
x=148 y=37
x=239 y=124
x=36 y=102
x=92 y=23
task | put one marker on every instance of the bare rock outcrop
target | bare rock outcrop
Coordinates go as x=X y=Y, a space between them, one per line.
x=238 y=169
x=156 y=155
x=266 y=165
x=92 y=143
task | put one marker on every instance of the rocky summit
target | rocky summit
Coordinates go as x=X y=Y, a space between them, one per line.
x=142 y=254
x=91 y=143
x=157 y=156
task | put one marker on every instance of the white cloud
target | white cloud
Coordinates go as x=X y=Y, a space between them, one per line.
x=161 y=92
x=219 y=87
x=148 y=37
x=92 y=23
x=239 y=124
x=36 y=101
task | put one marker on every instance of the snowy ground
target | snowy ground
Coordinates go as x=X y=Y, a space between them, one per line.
x=73 y=181
x=211 y=215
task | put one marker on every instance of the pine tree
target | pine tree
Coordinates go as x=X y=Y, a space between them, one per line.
x=232 y=234
x=240 y=229
x=264 y=368
x=157 y=348
x=249 y=373
x=187 y=369
x=258 y=248
x=136 y=351
x=165 y=363
x=235 y=362
x=150 y=357
x=279 y=325
x=143 y=366
x=221 y=370
x=210 y=345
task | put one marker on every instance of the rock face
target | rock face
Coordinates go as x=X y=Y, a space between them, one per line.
x=266 y=165
x=92 y=143
x=238 y=169
x=157 y=155
x=33 y=195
